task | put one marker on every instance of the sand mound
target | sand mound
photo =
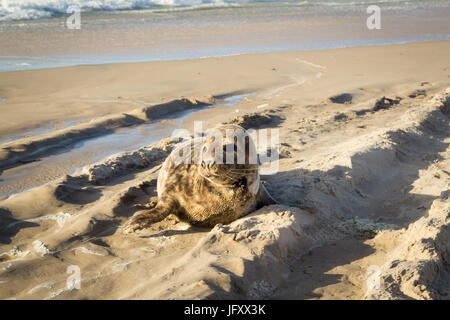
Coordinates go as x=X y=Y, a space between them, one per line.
x=257 y=120
x=418 y=267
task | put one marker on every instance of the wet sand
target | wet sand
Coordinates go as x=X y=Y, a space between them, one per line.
x=138 y=36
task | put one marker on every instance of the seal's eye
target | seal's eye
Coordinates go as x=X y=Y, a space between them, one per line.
x=205 y=149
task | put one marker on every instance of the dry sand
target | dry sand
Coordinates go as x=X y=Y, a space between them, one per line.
x=364 y=136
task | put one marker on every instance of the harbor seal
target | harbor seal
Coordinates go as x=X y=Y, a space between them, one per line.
x=207 y=180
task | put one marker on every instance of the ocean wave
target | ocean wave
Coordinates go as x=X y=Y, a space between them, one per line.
x=40 y=9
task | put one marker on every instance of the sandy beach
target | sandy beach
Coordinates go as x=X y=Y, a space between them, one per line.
x=363 y=137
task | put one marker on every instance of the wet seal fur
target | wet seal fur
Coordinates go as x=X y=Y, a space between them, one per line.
x=203 y=191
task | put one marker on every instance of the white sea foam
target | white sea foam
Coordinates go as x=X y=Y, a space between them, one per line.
x=39 y=9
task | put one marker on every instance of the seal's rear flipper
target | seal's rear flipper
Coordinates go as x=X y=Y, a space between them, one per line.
x=143 y=219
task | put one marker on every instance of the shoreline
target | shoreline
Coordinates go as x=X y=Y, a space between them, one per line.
x=96 y=61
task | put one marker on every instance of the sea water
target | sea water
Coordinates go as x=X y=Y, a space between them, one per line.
x=35 y=33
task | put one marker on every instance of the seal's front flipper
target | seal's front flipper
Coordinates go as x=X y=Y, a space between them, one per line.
x=144 y=219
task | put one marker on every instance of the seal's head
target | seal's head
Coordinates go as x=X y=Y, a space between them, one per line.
x=228 y=155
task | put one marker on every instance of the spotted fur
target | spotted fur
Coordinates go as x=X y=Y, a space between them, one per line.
x=202 y=191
